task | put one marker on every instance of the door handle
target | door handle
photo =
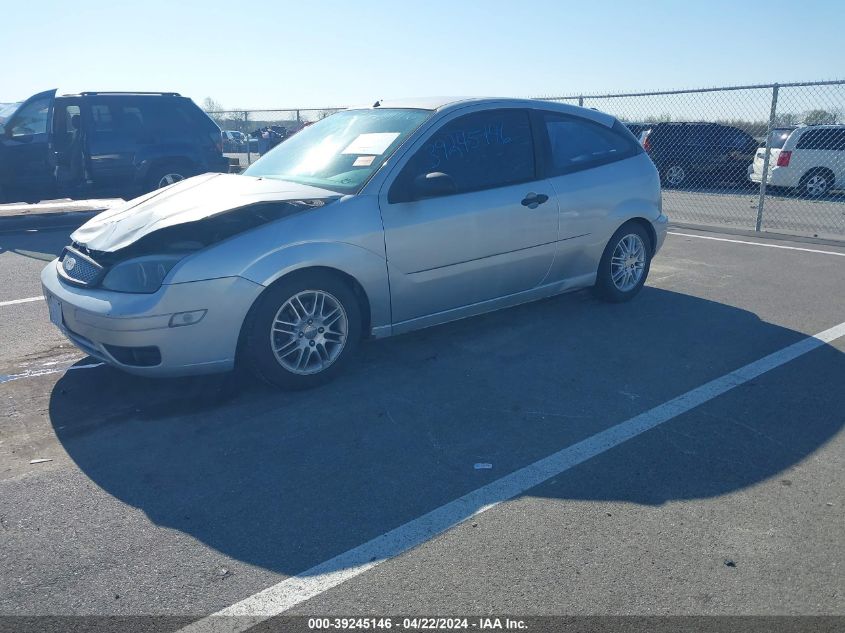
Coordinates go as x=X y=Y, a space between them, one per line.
x=534 y=200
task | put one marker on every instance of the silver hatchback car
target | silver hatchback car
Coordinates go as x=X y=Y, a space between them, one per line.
x=375 y=221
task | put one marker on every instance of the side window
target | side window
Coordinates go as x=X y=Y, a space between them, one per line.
x=32 y=119
x=478 y=151
x=102 y=121
x=576 y=143
x=826 y=139
x=129 y=122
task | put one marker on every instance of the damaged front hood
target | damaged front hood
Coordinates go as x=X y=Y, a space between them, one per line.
x=190 y=200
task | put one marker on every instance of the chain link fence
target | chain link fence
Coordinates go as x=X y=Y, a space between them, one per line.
x=712 y=147
x=250 y=133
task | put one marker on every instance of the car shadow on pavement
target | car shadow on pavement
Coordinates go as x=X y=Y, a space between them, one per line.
x=287 y=480
x=44 y=245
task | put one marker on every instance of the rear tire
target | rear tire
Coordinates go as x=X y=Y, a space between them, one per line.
x=624 y=265
x=816 y=183
x=675 y=175
x=303 y=331
x=167 y=174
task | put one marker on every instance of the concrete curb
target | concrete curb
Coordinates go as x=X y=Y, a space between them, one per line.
x=52 y=213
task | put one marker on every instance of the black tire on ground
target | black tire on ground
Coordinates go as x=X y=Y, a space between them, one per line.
x=816 y=183
x=604 y=288
x=675 y=174
x=167 y=173
x=258 y=351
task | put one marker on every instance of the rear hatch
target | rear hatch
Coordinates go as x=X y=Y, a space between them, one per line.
x=776 y=141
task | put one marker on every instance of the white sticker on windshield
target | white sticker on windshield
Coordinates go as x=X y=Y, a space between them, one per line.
x=372 y=143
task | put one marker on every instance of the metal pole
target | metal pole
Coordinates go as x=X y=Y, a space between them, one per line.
x=772 y=114
x=246 y=127
x=581 y=101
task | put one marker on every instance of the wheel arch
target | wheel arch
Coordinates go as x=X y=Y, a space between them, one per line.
x=816 y=170
x=649 y=229
x=150 y=165
x=356 y=287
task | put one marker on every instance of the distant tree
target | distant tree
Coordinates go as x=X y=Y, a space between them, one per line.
x=787 y=118
x=819 y=117
x=210 y=105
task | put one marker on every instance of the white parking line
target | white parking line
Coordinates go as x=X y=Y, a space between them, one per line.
x=788 y=248
x=326 y=575
x=32 y=373
x=16 y=301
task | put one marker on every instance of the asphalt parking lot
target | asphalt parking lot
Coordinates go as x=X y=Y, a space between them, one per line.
x=636 y=465
x=735 y=206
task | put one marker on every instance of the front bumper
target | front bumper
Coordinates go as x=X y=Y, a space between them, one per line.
x=97 y=320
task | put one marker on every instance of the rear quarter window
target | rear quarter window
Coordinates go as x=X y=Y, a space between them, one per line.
x=199 y=118
x=824 y=139
x=574 y=143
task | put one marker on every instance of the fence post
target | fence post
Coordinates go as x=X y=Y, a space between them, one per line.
x=298 y=120
x=581 y=101
x=246 y=127
x=772 y=114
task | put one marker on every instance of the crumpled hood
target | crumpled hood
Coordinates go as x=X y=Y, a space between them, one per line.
x=190 y=200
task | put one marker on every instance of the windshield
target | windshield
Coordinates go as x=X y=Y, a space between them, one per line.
x=342 y=151
x=7 y=110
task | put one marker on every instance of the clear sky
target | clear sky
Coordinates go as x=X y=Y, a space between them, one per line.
x=275 y=54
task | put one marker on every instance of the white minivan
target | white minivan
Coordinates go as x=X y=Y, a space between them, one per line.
x=810 y=159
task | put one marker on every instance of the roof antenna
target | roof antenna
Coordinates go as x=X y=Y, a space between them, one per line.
x=377 y=103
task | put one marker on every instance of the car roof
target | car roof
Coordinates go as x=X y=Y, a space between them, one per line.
x=826 y=126
x=450 y=103
x=96 y=93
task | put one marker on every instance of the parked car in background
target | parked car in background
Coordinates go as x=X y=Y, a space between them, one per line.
x=808 y=159
x=374 y=221
x=639 y=130
x=702 y=153
x=104 y=143
x=233 y=141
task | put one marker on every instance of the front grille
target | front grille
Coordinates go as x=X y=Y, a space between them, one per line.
x=79 y=268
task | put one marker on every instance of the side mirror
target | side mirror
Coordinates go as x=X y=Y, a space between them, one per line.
x=433 y=184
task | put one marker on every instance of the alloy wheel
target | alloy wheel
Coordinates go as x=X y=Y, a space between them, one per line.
x=816 y=185
x=309 y=332
x=169 y=179
x=627 y=262
x=675 y=175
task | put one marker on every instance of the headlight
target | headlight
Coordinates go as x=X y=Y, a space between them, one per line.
x=143 y=274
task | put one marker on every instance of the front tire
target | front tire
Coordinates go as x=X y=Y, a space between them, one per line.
x=624 y=264
x=304 y=331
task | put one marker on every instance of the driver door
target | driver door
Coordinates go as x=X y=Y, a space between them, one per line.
x=25 y=145
x=492 y=236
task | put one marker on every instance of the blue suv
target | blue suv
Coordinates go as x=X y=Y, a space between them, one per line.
x=104 y=144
